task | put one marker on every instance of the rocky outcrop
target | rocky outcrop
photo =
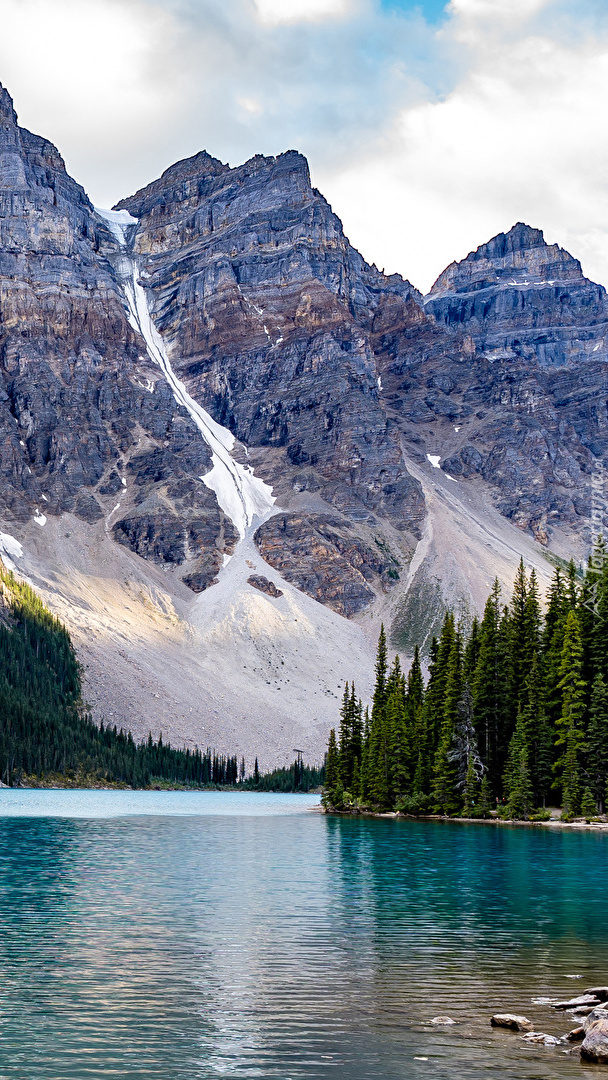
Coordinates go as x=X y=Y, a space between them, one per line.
x=507 y=380
x=518 y=296
x=84 y=416
x=258 y=581
x=266 y=307
x=322 y=555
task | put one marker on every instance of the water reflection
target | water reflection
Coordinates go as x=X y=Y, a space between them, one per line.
x=288 y=946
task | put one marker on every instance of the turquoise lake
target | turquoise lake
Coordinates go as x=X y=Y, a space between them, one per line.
x=195 y=936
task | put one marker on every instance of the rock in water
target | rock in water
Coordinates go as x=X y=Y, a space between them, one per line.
x=594 y=1046
x=541 y=1037
x=447 y=1020
x=512 y=1021
x=584 y=999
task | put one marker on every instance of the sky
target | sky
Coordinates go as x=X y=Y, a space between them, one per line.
x=429 y=126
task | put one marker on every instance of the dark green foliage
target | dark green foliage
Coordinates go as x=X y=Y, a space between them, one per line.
x=521 y=794
x=597 y=741
x=571 y=735
x=492 y=689
x=507 y=716
x=588 y=806
x=295 y=777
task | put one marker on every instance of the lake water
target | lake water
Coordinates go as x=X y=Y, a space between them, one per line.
x=195 y=936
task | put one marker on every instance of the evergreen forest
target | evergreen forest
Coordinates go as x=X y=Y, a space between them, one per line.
x=513 y=716
x=46 y=733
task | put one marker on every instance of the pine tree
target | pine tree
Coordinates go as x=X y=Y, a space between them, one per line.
x=485 y=798
x=588 y=805
x=399 y=749
x=444 y=794
x=597 y=741
x=491 y=690
x=570 y=723
x=332 y=766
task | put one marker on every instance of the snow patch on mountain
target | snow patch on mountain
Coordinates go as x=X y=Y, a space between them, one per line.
x=242 y=496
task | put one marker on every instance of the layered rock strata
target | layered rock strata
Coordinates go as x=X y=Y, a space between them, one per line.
x=86 y=423
x=265 y=307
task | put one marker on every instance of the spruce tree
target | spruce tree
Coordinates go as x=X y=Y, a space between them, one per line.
x=521 y=796
x=485 y=798
x=332 y=766
x=588 y=805
x=399 y=749
x=570 y=723
x=378 y=754
x=597 y=741
x=491 y=690
x=444 y=793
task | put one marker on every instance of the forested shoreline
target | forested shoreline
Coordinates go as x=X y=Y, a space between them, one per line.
x=47 y=737
x=514 y=714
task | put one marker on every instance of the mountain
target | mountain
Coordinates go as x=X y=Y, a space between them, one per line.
x=231 y=447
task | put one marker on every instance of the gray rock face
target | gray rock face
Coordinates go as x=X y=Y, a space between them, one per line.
x=520 y=297
x=320 y=364
x=515 y=396
x=84 y=417
x=266 y=308
x=323 y=556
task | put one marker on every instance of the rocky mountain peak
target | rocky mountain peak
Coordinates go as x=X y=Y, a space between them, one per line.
x=520 y=256
x=519 y=296
x=7 y=110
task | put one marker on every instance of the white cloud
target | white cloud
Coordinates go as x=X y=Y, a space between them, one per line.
x=274 y=12
x=519 y=138
x=125 y=87
x=86 y=76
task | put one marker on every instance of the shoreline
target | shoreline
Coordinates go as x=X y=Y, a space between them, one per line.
x=552 y=823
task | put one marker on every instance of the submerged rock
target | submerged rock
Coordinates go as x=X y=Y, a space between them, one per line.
x=541 y=1037
x=512 y=1021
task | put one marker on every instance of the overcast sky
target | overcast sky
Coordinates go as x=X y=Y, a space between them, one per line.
x=430 y=127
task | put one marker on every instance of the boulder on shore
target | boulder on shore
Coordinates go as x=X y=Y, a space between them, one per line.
x=594 y=1046
x=511 y=1021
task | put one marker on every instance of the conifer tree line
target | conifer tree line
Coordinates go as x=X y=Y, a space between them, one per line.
x=514 y=713
x=45 y=731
